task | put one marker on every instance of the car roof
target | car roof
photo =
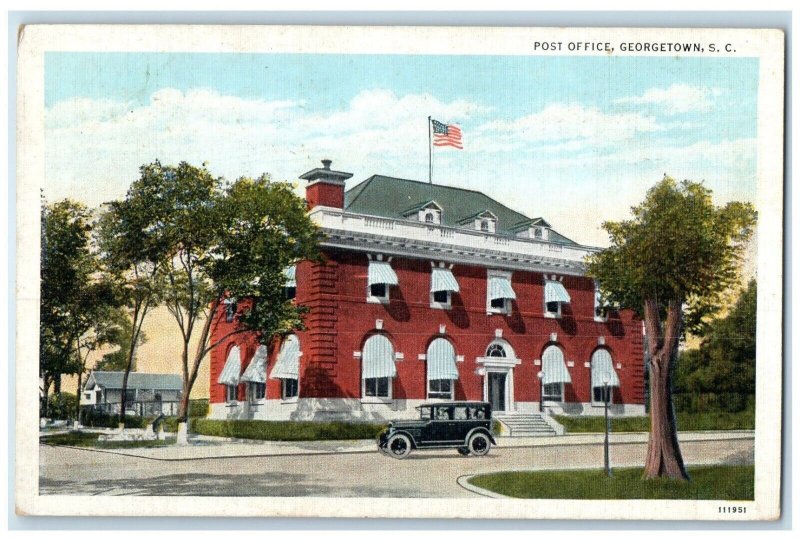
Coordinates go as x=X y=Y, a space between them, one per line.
x=459 y=403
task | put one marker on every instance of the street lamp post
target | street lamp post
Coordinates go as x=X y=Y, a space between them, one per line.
x=608 y=428
x=540 y=375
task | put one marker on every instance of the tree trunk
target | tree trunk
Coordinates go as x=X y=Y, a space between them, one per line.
x=78 y=394
x=664 y=457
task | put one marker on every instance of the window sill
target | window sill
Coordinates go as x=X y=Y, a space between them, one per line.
x=441 y=306
x=291 y=400
x=377 y=300
x=232 y=404
x=552 y=315
x=376 y=400
x=601 y=319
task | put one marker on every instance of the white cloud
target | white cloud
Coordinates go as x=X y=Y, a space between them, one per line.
x=676 y=99
x=574 y=164
x=101 y=143
x=565 y=127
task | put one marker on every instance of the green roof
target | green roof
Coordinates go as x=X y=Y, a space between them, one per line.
x=395 y=197
x=136 y=380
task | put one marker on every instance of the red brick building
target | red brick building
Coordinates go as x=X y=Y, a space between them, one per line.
x=432 y=292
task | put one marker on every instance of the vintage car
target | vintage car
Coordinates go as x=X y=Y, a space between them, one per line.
x=465 y=426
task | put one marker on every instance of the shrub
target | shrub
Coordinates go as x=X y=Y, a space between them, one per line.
x=98 y=419
x=198 y=407
x=62 y=406
x=285 y=430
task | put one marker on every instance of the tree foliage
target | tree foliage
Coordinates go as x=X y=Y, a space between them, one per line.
x=672 y=263
x=76 y=296
x=725 y=360
x=677 y=246
x=205 y=240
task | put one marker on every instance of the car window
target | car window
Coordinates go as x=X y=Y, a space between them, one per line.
x=425 y=414
x=460 y=414
x=480 y=413
x=442 y=413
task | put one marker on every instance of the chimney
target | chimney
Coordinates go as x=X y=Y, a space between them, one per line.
x=325 y=186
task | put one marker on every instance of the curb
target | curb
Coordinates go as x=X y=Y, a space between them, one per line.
x=463 y=482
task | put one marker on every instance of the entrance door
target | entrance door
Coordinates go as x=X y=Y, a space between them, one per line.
x=497 y=390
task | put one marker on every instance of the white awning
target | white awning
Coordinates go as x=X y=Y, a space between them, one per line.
x=500 y=288
x=256 y=371
x=443 y=280
x=603 y=368
x=232 y=369
x=288 y=364
x=555 y=292
x=377 y=359
x=553 y=367
x=380 y=272
x=290 y=274
x=441 y=360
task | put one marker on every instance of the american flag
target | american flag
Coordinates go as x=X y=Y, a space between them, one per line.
x=446 y=135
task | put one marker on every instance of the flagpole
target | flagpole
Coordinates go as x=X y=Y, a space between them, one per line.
x=430 y=154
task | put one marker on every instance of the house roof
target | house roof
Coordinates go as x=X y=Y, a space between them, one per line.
x=393 y=197
x=136 y=380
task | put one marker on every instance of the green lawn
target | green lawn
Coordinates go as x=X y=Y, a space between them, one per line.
x=708 y=483
x=686 y=421
x=89 y=439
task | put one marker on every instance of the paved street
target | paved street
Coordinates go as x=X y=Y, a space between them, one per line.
x=350 y=474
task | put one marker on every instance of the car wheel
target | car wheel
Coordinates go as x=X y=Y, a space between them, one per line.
x=399 y=446
x=479 y=444
x=464 y=451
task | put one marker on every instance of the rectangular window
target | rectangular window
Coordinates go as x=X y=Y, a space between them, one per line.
x=600 y=309
x=230 y=393
x=377 y=387
x=256 y=391
x=230 y=311
x=441 y=300
x=552 y=309
x=130 y=396
x=289 y=292
x=553 y=392
x=288 y=388
x=379 y=292
x=600 y=397
x=498 y=285
x=440 y=388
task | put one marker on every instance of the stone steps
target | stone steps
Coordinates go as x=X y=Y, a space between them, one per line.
x=531 y=425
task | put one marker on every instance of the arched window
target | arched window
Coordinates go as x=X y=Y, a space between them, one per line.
x=496 y=350
x=429 y=218
x=442 y=370
x=555 y=374
x=604 y=377
x=377 y=367
x=484 y=225
x=287 y=367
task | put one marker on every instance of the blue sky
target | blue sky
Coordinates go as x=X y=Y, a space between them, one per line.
x=575 y=139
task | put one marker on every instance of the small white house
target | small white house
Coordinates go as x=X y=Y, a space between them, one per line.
x=147 y=394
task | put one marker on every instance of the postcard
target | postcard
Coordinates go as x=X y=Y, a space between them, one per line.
x=426 y=272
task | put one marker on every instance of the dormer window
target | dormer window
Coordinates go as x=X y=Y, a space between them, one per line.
x=486 y=222
x=485 y=225
x=429 y=212
x=430 y=218
x=537 y=233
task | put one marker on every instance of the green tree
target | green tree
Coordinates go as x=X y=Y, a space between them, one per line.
x=120 y=335
x=672 y=263
x=210 y=241
x=725 y=360
x=76 y=294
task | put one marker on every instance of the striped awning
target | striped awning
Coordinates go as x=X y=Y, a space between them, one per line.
x=377 y=359
x=288 y=364
x=290 y=274
x=553 y=367
x=256 y=371
x=603 y=368
x=443 y=280
x=555 y=292
x=441 y=360
x=232 y=369
x=500 y=288
x=380 y=272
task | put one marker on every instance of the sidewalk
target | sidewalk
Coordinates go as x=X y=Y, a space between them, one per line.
x=210 y=447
